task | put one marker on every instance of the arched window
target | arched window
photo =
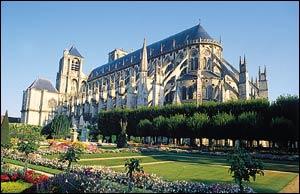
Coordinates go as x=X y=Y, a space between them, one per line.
x=74 y=87
x=209 y=64
x=190 y=92
x=194 y=63
x=183 y=92
x=209 y=92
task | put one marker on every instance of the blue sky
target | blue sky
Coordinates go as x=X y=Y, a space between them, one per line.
x=34 y=35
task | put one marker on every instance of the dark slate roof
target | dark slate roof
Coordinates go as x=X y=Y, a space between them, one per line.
x=179 y=40
x=42 y=84
x=73 y=51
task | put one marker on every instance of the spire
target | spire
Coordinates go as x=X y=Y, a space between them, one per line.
x=144 y=60
x=251 y=79
x=265 y=71
x=220 y=40
x=244 y=59
x=258 y=72
x=240 y=60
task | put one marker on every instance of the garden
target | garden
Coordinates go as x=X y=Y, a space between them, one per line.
x=159 y=150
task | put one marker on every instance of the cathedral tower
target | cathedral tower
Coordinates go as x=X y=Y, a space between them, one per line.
x=70 y=77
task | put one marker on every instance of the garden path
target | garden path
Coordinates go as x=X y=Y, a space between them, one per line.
x=292 y=187
x=37 y=171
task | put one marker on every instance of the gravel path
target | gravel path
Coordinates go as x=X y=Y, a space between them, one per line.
x=292 y=187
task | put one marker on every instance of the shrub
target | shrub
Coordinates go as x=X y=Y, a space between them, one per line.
x=243 y=166
x=5 y=132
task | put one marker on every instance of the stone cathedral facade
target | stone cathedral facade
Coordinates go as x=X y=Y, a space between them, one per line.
x=186 y=67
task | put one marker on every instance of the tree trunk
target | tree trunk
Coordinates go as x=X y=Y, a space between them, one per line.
x=192 y=142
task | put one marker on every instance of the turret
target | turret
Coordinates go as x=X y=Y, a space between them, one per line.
x=142 y=87
x=263 y=83
x=244 y=87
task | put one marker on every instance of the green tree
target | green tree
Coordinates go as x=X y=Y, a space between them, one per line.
x=176 y=124
x=60 y=126
x=72 y=155
x=243 y=166
x=197 y=125
x=5 y=132
x=250 y=126
x=132 y=165
x=144 y=128
x=27 y=146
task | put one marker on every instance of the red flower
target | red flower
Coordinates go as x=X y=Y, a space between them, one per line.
x=4 y=178
x=14 y=177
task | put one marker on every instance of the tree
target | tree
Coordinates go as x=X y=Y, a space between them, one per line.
x=132 y=165
x=250 y=126
x=176 y=124
x=60 y=126
x=145 y=128
x=277 y=125
x=27 y=146
x=5 y=132
x=196 y=125
x=122 y=137
x=72 y=155
x=243 y=166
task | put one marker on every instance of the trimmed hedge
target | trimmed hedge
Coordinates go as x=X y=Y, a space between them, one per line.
x=250 y=119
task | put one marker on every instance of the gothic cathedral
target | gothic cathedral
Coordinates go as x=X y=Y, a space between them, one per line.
x=186 y=67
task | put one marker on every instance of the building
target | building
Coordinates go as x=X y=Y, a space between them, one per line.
x=186 y=67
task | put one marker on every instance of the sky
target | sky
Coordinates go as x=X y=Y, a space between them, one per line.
x=34 y=35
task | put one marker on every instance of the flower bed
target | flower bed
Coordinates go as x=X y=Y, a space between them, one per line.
x=89 y=180
x=142 y=181
x=9 y=174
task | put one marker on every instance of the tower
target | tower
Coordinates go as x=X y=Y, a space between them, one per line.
x=142 y=99
x=244 y=87
x=70 y=77
x=262 y=83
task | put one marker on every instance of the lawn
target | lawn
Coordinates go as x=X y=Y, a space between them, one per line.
x=271 y=182
x=14 y=187
x=208 y=169
x=196 y=167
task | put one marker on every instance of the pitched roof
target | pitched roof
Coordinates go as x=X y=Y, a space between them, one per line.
x=73 y=51
x=42 y=84
x=166 y=45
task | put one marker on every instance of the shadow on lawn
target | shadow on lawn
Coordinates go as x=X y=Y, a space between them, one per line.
x=286 y=166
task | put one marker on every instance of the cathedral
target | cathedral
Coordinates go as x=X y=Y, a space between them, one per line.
x=186 y=67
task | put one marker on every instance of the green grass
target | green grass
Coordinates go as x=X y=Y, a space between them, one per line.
x=197 y=167
x=34 y=167
x=271 y=182
x=200 y=159
x=14 y=187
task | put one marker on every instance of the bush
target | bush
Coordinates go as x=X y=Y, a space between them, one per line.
x=243 y=166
